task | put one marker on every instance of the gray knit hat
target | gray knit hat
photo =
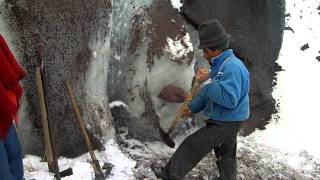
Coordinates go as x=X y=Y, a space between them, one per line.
x=211 y=33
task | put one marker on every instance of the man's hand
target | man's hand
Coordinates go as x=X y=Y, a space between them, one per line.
x=188 y=97
x=185 y=112
x=202 y=75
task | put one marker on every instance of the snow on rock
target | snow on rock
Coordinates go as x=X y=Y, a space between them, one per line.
x=179 y=47
x=176 y=4
x=117 y=104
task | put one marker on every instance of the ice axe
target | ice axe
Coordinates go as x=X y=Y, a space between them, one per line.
x=95 y=163
x=165 y=136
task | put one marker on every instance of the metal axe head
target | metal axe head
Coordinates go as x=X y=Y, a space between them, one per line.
x=165 y=137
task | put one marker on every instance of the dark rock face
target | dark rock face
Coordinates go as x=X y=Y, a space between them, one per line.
x=289 y=29
x=257 y=29
x=129 y=51
x=62 y=32
x=305 y=47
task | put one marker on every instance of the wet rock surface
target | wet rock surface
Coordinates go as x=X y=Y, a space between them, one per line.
x=141 y=64
x=59 y=33
x=171 y=24
x=129 y=51
x=257 y=29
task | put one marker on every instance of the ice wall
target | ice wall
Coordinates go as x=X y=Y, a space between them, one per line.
x=128 y=51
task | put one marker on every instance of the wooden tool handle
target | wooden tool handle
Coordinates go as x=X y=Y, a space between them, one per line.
x=95 y=164
x=185 y=104
x=44 y=115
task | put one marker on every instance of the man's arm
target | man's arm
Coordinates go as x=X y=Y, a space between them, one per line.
x=199 y=102
x=227 y=91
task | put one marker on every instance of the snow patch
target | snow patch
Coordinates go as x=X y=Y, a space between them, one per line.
x=179 y=47
x=34 y=168
x=118 y=104
x=176 y=4
x=123 y=166
x=297 y=90
x=117 y=57
x=78 y=170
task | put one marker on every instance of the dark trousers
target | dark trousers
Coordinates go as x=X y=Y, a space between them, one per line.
x=11 y=167
x=217 y=135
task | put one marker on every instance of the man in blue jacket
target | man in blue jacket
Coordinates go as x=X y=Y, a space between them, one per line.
x=223 y=98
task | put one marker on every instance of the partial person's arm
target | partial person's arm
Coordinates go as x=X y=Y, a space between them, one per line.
x=7 y=107
x=227 y=91
x=199 y=102
x=18 y=70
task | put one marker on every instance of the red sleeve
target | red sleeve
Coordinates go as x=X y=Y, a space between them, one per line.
x=18 y=70
x=7 y=108
x=7 y=76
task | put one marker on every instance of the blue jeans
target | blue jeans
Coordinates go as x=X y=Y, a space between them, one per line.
x=11 y=167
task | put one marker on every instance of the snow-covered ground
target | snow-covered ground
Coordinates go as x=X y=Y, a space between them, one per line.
x=122 y=165
x=288 y=148
x=298 y=89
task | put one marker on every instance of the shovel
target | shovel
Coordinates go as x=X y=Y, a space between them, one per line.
x=165 y=136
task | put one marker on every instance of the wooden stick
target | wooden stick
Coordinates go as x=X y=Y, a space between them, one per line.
x=95 y=164
x=45 y=125
x=178 y=119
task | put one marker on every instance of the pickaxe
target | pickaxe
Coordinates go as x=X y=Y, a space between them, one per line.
x=165 y=136
x=95 y=163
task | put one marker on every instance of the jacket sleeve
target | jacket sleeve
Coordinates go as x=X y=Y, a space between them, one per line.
x=199 y=102
x=7 y=108
x=227 y=91
x=18 y=70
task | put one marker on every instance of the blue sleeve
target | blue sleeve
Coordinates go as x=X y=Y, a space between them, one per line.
x=227 y=90
x=199 y=102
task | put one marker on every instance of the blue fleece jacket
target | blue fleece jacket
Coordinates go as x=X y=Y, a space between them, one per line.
x=226 y=96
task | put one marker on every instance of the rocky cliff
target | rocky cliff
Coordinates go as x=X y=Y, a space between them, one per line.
x=129 y=51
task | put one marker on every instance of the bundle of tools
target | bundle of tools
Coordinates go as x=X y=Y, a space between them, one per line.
x=50 y=152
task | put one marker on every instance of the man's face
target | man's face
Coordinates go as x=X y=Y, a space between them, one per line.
x=208 y=54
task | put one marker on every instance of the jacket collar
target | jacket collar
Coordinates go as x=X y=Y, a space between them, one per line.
x=219 y=59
